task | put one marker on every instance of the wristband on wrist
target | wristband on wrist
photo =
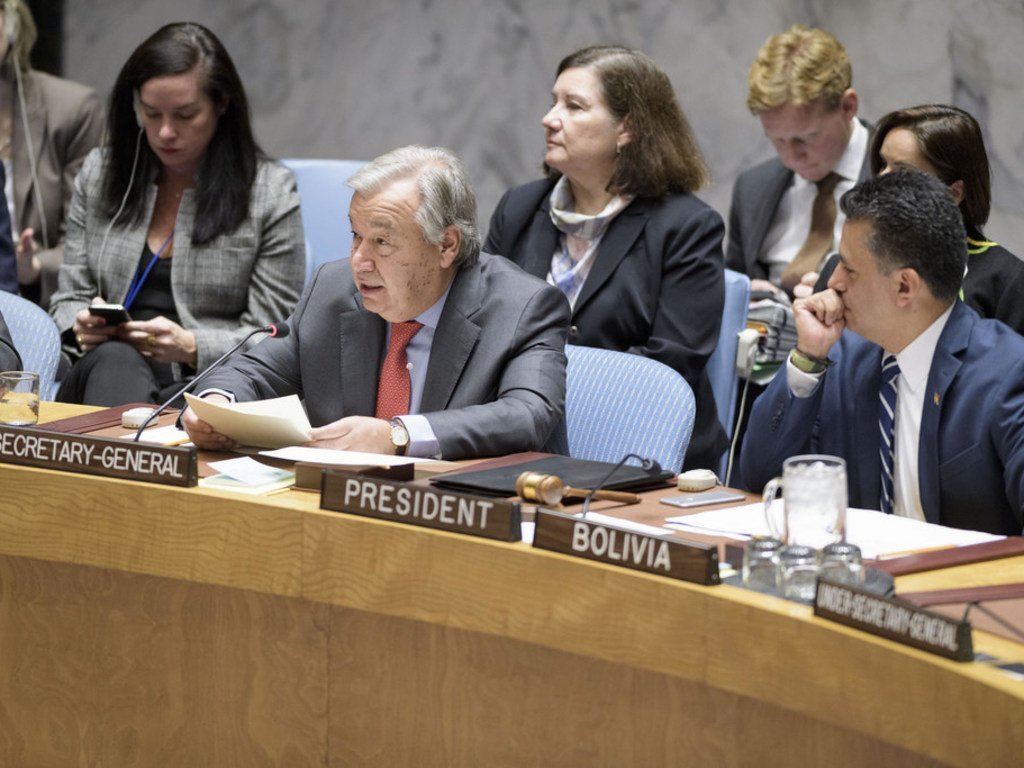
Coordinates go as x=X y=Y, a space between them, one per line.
x=806 y=363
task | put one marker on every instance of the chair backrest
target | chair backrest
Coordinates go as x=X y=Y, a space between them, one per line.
x=324 y=199
x=36 y=338
x=721 y=367
x=618 y=403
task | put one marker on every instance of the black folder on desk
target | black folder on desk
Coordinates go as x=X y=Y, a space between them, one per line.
x=501 y=481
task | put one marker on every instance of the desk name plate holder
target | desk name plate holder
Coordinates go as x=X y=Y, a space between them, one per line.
x=625 y=548
x=105 y=456
x=422 y=505
x=894 y=619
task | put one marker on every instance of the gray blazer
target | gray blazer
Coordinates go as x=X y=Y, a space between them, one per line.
x=65 y=122
x=496 y=377
x=755 y=196
x=222 y=290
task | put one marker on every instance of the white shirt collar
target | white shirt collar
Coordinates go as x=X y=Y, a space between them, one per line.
x=915 y=360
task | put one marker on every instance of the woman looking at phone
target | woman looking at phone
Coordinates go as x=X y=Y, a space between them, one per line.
x=193 y=230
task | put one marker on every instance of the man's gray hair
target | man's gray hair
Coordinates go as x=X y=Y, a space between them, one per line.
x=446 y=196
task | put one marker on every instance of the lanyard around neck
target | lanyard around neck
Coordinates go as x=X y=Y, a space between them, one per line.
x=142 y=274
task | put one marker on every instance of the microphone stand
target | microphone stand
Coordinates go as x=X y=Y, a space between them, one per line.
x=273 y=330
x=648 y=465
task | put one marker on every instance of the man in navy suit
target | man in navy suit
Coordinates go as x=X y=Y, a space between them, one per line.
x=957 y=455
x=800 y=88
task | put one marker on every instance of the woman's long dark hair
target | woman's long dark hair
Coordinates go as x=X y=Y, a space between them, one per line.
x=228 y=171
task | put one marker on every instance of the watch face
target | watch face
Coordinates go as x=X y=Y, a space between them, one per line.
x=399 y=435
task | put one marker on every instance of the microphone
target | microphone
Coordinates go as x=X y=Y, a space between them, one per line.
x=276 y=330
x=648 y=465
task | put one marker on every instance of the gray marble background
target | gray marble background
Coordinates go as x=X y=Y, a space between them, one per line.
x=354 y=78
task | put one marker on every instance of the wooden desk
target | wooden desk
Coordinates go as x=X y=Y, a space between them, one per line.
x=142 y=625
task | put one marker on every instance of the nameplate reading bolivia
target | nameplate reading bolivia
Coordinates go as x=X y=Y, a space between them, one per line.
x=894 y=619
x=105 y=456
x=626 y=548
x=421 y=505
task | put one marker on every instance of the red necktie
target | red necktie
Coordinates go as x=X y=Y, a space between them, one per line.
x=395 y=387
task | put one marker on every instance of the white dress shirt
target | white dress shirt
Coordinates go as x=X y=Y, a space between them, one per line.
x=792 y=221
x=915 y=362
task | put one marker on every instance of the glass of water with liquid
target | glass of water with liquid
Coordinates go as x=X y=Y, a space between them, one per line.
x=19 y=398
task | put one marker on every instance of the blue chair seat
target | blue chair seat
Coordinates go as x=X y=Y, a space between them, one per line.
x=618 y=403
x=324 y=198
x=36 y=338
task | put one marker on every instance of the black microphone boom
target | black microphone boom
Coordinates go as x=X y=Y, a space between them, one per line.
x=278 y=330
x=648 y=465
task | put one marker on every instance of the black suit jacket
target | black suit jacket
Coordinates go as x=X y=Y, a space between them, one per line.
x=9 y=359
x=655 y=289
x=755 y=196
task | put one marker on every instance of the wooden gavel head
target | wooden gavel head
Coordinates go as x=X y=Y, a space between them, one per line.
x=540 y=488
x=550 y=490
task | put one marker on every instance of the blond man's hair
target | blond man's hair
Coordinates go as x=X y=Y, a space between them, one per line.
x=800 y=66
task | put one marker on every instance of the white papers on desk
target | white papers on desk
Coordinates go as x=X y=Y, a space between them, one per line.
x=342 y=458
x=877 y=534
x=262 y=423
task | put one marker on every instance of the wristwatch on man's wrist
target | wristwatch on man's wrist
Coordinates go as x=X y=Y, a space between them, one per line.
x=806 y=363
x=399 y=437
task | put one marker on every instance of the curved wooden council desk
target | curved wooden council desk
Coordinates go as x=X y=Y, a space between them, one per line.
x=143 y=625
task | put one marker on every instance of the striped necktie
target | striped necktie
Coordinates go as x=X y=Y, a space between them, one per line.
x=886 y=420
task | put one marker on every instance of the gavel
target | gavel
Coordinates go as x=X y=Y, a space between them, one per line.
x=549 y=489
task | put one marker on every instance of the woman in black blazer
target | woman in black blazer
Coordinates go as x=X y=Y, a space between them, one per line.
x=616 y=225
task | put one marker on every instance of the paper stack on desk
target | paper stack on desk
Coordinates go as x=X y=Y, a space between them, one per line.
x=261 y=423
x=877 y=534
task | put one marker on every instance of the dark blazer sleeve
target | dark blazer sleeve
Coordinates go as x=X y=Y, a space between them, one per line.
x=9 y=358
x=781 y=425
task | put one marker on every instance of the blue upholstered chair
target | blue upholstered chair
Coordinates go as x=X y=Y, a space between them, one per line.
x=36 y=338
x=721 y=367
x=618 y=403
x=324 y=199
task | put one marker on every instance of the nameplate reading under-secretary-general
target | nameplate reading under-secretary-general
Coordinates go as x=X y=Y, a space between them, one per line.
x=892 y=618
x=421 y=505
x=626 y=548
x=105 y=456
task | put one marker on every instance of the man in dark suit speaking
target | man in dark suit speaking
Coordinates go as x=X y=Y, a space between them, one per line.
x=921 y=396
x=418 y=343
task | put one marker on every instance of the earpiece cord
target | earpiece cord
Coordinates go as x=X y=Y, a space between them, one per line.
x=31 y=156
x=120 y=210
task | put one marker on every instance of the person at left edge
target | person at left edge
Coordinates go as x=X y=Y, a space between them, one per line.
x=208 y=246
x=47 y=127
x=9 y=358
x=484 y=370
x=617 y=227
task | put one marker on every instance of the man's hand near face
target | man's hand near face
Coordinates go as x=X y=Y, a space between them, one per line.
x=819 y=322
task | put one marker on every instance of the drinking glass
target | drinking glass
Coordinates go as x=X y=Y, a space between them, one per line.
x=19 y=398
x=842 y=562
x=813 y=512
x=761 y=564
x=799 y=567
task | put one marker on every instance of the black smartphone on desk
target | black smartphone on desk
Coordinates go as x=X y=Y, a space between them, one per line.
x=113 y=314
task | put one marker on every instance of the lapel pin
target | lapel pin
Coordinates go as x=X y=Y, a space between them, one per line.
x=935 y=398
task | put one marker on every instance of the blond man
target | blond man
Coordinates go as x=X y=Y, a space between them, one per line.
x=784 y=219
